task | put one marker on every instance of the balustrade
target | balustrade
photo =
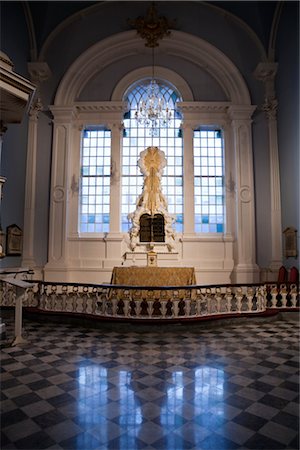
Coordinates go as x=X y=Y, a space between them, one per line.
x=155 y=303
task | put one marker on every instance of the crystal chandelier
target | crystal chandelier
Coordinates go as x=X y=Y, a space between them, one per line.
x=153 y=111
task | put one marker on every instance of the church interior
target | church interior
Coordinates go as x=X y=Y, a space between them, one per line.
x=149 y=225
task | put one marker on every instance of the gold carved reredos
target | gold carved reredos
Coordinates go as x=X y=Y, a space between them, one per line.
x=151 y=164
x=152 y=201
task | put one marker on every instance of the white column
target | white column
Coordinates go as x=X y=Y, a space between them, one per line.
x=188 y=179
x=73 y=172
x=62 y=138
x=266 y=73
x=245 y=269
x=30 y=187
x=229 y=181
x=39 y=72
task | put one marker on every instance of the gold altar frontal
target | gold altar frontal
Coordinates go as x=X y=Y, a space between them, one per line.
x=153 y=276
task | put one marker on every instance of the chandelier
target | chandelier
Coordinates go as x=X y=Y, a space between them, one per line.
x=153 y=111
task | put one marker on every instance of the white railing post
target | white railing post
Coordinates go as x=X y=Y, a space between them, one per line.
x=21 y=287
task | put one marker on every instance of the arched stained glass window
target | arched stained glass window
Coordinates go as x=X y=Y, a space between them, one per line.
x=136 y=138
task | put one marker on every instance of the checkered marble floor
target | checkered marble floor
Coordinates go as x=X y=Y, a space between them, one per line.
x=117 y=386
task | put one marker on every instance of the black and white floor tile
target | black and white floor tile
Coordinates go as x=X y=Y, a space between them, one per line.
x=117 y=386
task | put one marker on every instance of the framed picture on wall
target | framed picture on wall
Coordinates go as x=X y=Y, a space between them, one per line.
x=290 y=234
x=14 y=240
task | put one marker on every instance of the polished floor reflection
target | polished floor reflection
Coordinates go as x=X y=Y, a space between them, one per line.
x=125 y=387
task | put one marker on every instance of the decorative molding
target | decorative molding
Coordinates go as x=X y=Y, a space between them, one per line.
x=245 y=194
x=58 y=194
x=200 y=107
x=100 y=107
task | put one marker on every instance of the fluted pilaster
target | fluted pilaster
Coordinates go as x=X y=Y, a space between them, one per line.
x=266 y=72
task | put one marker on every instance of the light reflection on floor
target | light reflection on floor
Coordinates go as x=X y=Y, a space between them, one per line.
x=204 y=389
x=219 y=388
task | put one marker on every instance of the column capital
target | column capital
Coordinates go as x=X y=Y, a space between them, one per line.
x=39 y=71
x=35 y=108
x=63 y=114
x=241 y=112
x=187 y=125
x=270 y=107
x=265 y=71
x=115 y=126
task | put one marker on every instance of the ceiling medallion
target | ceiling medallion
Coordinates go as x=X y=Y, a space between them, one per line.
x=152 y=27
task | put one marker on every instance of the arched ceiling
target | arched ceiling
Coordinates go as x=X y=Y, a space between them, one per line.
x=44 y=16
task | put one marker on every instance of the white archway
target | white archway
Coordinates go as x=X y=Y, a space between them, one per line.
x=122 y=45
x=230 y=256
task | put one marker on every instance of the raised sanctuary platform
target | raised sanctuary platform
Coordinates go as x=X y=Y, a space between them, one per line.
x=153 y=276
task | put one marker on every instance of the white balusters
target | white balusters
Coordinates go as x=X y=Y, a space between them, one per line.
x=163 y=307
x=155 y=304
x=175 y=308
x=274 y=293
x=239 y=297
x=250 y=295
x=229 y=298
x=294 y=295
x=114 y=302
x=283 y=293
x=138 y=307
x=218 y=298
x=187 y=308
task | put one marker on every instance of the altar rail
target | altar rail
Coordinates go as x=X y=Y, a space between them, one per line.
x=117 y=302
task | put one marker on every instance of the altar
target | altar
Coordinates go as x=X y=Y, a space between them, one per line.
x=153 y=276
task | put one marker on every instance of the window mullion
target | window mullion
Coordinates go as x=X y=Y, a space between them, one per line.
x=188 y=171
x=115 y=198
